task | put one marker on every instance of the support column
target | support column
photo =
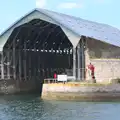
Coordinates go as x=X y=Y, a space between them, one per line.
x=34 y=68
x=39 y=64
x=25 y=72
x=8 y=64
x=69 y=60
x=78 y=61
x=74 y=62
x=20 y=65
x=14 y=61
x=2 y=66
x=83 y=59
x=14 y=52
x=30 y=67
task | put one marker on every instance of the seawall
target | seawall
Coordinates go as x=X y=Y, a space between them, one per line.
x=20 y=87
x=81 y=92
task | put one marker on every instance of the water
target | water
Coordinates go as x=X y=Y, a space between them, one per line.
x=29 y=107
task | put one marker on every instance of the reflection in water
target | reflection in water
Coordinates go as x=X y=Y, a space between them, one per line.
x=32 y=108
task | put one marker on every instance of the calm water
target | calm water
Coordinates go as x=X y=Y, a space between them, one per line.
x=29 y=107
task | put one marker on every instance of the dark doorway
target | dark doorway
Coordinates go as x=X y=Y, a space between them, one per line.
x=36 y=50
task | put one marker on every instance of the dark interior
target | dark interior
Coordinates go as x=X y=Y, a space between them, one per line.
x=38 y=49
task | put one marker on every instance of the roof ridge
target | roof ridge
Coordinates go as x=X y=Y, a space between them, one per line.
x=100 y=23
x=56 y=20
x=78 y=26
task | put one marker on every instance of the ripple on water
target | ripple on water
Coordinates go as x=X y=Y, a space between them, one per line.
x=28 y=107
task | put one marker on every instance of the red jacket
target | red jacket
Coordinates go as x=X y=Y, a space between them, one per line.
x=91 y=67
x=55 y=75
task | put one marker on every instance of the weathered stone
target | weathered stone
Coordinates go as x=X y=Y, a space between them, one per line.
x=79 y=92
x=105 y=59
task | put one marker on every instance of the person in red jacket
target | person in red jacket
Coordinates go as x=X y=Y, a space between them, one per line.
x=55 y=77
x=92 y=70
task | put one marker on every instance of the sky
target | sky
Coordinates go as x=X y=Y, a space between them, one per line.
x=103 y=11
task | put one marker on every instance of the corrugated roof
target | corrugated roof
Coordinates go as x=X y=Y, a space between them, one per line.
x=103 y=32
x=80 y=27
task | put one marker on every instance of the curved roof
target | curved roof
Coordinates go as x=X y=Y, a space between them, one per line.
x=77 y=25
x=87 y=28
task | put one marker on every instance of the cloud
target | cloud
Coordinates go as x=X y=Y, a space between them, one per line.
x=70 y=5
x=41 y=3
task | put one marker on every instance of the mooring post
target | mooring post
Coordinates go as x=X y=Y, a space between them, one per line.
x=78 y=60
x=2 y=65
x=8 y=64
x=74 y=62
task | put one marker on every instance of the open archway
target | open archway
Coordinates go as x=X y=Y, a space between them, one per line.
x=37 y=49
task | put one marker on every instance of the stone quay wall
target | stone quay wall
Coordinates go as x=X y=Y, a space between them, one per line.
x=78 y=92
x=17 y=87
